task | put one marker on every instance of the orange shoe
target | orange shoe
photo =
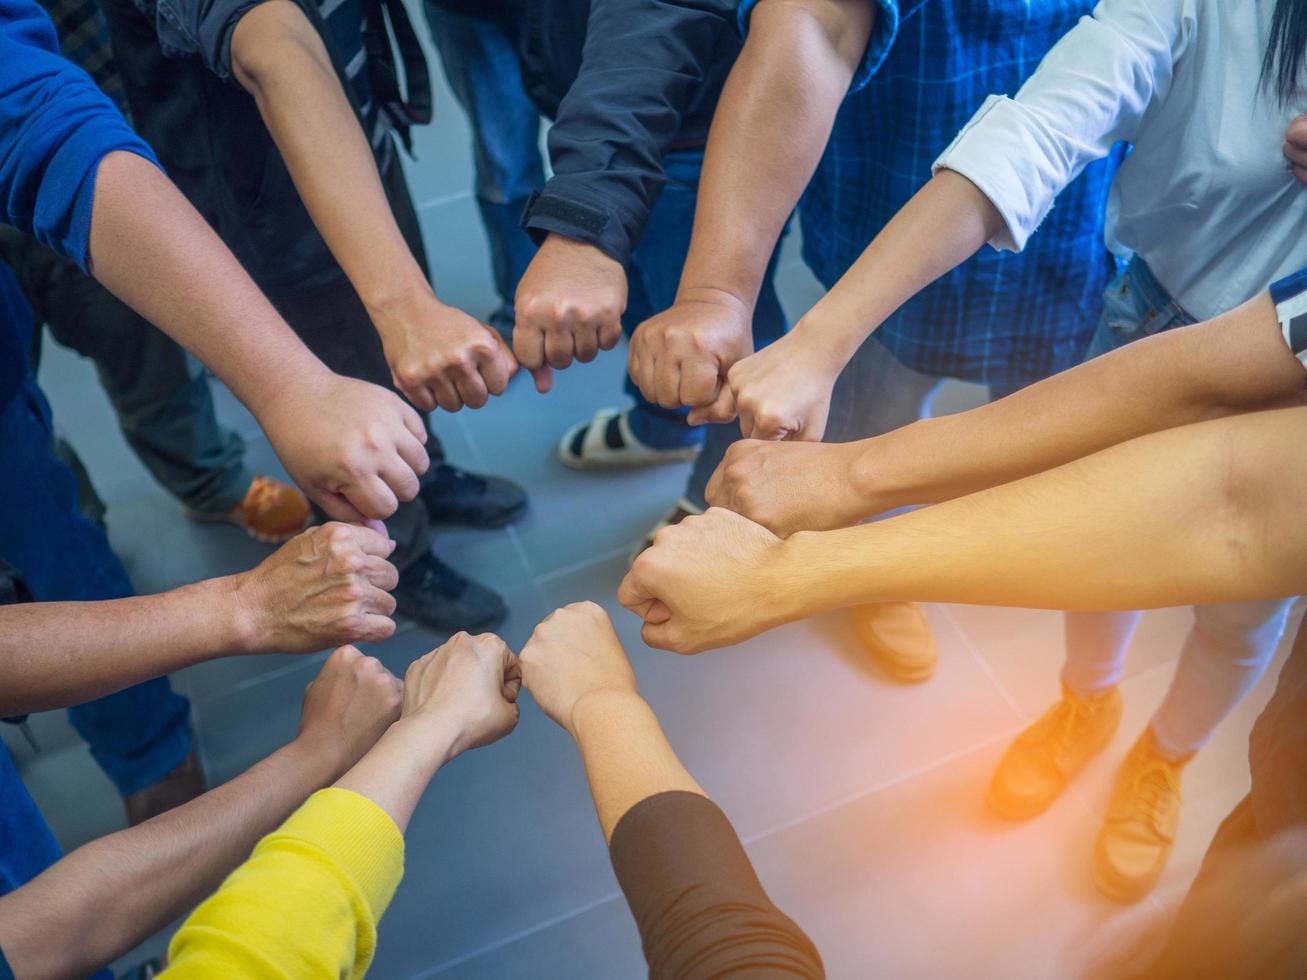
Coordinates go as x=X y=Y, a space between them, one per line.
x=272 y=511
x=1037 y=766
x=899 y=638
x=1136 y=840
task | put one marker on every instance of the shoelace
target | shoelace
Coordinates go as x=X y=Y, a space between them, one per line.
x=1153 y=785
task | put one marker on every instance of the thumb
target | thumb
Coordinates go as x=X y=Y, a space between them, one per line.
x=656 y=613
x=722 y=408
x=544 y=378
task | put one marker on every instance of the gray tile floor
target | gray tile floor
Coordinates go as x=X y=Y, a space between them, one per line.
x=859 y=800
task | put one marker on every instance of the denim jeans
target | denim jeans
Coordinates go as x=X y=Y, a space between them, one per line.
x=1230 y=644
x=652 y=274
x=140 y=734
x=158 y=391
x=480 y=61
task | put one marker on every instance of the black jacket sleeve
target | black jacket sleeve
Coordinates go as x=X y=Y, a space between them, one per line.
x=643 y=64
x=700 y=909
x=197 y=28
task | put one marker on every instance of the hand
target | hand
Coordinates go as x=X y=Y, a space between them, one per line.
x=681 y=356
x=793 y=486
x=326 y=586
x=354 y=448
x=707 y=582
x=1295 y=147
x=573 y=653
x=569 y=304
x=468 y=686
x=348 y=706
x=783 y=391
x=438 y=355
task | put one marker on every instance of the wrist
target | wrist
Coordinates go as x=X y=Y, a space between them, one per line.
x=801 y=579
x=399 y=299
x=737 y=302
x=430 y=738
x=831 y=339
x=316 y=758
x=596 y=705
x=239 y=625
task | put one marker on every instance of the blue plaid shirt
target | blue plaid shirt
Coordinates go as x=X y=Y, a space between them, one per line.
x=1002 y=319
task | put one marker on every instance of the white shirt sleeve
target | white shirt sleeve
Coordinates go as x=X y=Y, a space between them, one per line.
x=1091 y=90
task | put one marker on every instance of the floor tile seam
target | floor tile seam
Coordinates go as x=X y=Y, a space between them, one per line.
x=579 y=566
x=515 y=937
x=980 y=660
x=249 y=683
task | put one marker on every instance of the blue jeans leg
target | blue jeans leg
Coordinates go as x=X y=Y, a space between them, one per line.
x=653 y=273
x=138 y=735
x=479 y=57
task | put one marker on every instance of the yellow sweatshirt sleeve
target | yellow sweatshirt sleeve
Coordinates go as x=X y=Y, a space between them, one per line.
x=306 y=903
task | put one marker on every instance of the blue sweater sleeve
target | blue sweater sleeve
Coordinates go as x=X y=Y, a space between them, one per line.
x=55 y=128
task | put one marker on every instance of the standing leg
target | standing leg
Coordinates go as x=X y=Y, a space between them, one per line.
x=479 y=57
x=140 y=735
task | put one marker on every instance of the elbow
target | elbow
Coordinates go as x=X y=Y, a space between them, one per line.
x=269 y=40
x=834 y=33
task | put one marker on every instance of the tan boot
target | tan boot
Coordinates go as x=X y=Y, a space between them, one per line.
x=1136 y=840
x=1037 y=766
x=899 y=638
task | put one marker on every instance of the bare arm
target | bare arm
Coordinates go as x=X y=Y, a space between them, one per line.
x=434 y=351
x=327 y=586
x=1236 y=362
x=353 y=447
x=116 y=891
x=1202 y=513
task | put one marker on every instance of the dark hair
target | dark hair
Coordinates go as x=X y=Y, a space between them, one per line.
x=1286 y=49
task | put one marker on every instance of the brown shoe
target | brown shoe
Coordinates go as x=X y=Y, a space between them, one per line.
x=1037 y=766
x=899 y=638
x=272 y=511
x=1136 y=840
x=182 y=785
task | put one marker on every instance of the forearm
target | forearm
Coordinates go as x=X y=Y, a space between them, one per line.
x=152 y=250
x=768 y=133
x=62 y=653
x=120 y=889
x=395 y=772
x=278 y=57
x=1234 y=363
x=943 y=225
x=627 y=757
x=1203 y=513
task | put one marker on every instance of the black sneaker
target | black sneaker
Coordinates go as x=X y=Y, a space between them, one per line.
x=435 y=595
x=454 y=496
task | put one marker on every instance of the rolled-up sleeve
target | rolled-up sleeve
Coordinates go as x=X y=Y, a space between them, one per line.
x=55 y=128
x=639 y=69
x=197 y=28
x=883 y=33
x=700 y=909
x=1092 y=89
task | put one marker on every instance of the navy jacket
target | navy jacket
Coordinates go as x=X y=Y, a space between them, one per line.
x=624 y=81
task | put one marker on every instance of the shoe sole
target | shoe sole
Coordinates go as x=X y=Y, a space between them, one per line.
x=903 y=675
x=625 y=462
x=202 y=518
x=1117 y=892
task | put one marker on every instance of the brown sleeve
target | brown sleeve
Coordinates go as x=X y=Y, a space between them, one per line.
x=697 y=902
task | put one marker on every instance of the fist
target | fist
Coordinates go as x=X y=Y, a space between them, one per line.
x=793 y=486
x=1295 y=147
x=569 y=306
x=471 y=683
x=440 y=356
x=707 y=582
x=326 y=586
x=354 y=448
x=349 y=705
x=681 y=356
x=572 y=653
x=784 y=391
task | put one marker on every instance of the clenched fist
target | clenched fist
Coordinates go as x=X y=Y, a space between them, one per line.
x=349 y=705
x=707 y=582
x=569 y=306
x=793 y=486
x=574 y=653
x=1295 y=147
x=467 y=687
x=681 y=356
x=354 y=448
x=326 y=586
x=440 y=356
x=783 y=391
